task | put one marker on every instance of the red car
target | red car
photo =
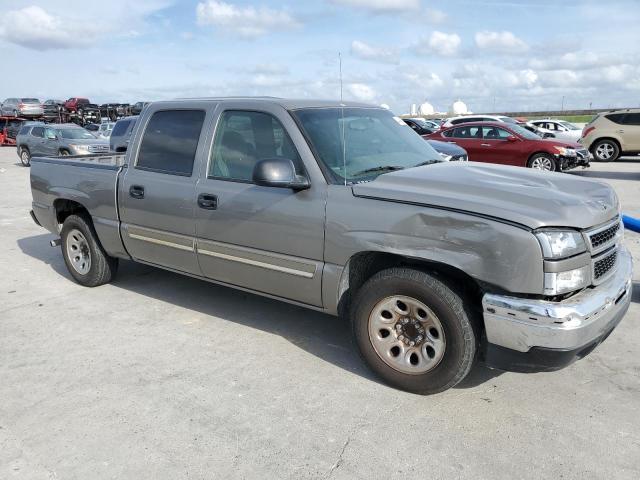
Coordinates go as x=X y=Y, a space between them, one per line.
x=9 y=127
x=511 y=144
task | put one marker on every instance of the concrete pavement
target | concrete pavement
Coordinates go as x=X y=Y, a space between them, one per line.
x=161 y=376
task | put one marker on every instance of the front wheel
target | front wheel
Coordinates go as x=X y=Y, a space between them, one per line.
x=413 y=331
x=85 y=258
x=25 y=157
x=543 y=161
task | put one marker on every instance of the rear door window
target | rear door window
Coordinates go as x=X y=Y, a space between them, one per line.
x=120 y=128
x=37 y=132
x=467 y=132
x=170 y=142
x=632 y=119
x=616 y=117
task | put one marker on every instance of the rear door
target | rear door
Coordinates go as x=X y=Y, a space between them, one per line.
x=266 y=239
x=631 y=132
x=157 y=193
x=468 y=137
x=36 y=142
x=496 y=148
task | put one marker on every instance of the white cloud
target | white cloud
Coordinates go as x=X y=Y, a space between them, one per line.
x=32 y=27
x=502 y=42
x=382 y=6
x=362 y=92
x=246 y=21
x=364 y=51
x=433 y=15
x=440 y=43
x=40 y=27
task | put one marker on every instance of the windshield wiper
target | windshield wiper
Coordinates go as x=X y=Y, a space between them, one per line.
x=382 y=168
x=428 y=162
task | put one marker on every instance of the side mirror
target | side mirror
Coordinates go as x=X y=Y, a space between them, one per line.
x=512 y=138
x=278 y=172
x=52 y=136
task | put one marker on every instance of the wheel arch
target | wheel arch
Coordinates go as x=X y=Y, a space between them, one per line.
x=608 y=137
x=63 y=207
x=363 y=265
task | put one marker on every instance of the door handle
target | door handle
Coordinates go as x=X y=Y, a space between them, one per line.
x=620 y=131
x=208 y=201
x=136 y=191
x=485 y=144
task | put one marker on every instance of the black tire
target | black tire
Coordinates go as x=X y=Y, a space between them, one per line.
x=543 y=159
x=25 y=156
x=64 y=152
x=605 y=150
x=102 y=267
x=454 y=315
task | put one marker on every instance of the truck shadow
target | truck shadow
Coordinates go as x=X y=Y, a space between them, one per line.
x=322 y=335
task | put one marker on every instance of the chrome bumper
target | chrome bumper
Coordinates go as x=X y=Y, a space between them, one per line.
x=521 y=324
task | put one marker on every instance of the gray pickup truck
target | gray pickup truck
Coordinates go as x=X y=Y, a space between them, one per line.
x=343 y=208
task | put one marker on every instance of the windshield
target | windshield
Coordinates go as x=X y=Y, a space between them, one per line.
x=509 y=120
x=356 y=144
x=569 y=125
x=29 y=100
x=76 y=133
x=523 y=132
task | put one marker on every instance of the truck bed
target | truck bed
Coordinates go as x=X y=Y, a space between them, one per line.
x=89 y=180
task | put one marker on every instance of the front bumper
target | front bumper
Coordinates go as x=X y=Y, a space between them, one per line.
x=538 y=335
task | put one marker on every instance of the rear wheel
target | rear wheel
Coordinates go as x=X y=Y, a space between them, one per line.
x=25 y=156
x=605 y=151
x=543 y=161
x=63 y=152
x=413 y=331
x=85 y=258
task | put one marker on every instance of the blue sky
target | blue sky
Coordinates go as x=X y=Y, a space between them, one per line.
x=514 y=55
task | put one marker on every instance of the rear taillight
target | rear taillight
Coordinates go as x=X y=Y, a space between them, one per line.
x=587 y=131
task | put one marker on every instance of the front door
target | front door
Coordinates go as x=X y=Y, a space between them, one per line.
x=157 y=193
x=266 y=239
x=496 y=148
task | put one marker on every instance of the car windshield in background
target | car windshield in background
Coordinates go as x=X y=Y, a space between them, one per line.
x=30 y=100
x=524 y=133
x=509 y=120
x=76 y=133
x=356 y=144
x=569 y=125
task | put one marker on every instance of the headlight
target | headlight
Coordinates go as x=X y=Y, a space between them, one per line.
x=569 y=281
x=561 y=243
x=566 y=152
x=445 y=157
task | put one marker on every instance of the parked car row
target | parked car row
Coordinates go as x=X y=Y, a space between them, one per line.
x=77 y=110
x=41 y=139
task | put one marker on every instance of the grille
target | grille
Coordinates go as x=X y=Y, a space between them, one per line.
x=604 y=265
x=605 y=236
x=98 y=148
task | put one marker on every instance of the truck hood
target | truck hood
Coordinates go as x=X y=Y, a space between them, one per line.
x=528 y=197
